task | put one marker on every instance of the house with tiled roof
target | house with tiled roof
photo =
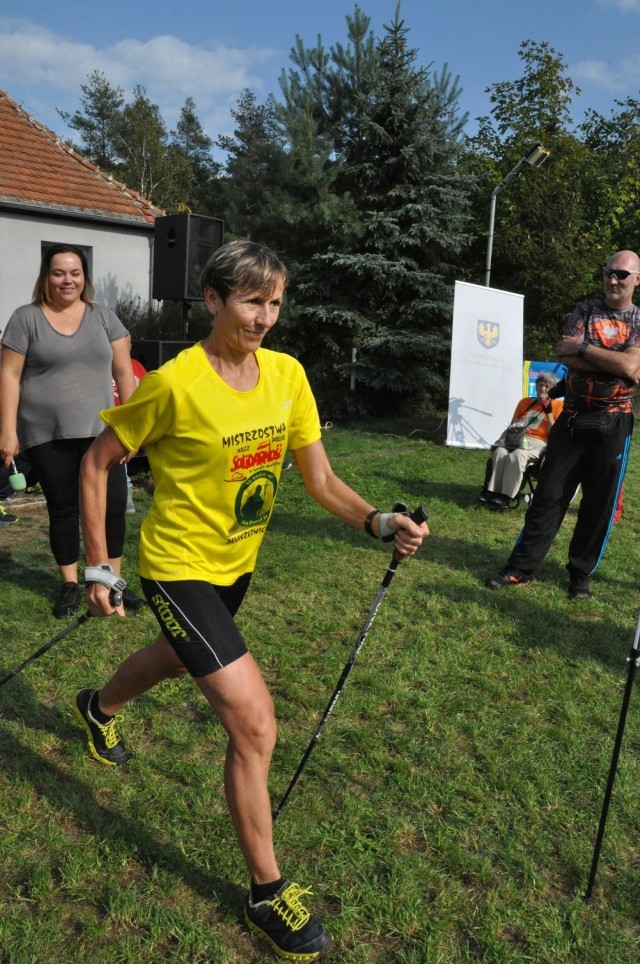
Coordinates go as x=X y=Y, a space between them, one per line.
x=49 y=193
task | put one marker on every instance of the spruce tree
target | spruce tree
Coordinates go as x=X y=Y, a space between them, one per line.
x=387 y=293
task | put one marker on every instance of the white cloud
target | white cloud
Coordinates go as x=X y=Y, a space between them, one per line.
x=594 y=71
x=621 y=77
x=43 y=71
x=630 y=5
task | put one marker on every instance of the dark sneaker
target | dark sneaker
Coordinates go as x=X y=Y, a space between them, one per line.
x=68 y=601
x=579 y=586
x=6 y=518
x=104 y=744
x=508 y=577
x=287 y=925
x=132 y=603
x=499 y=501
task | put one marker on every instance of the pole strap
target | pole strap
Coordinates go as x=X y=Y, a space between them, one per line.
x=105 y=575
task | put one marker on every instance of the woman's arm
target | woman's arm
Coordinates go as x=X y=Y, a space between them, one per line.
x=122 y=368
x=338 y=498
x=107 y=450
x=11 y=368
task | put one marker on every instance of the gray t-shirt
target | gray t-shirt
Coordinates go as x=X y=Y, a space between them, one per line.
x=66 y=379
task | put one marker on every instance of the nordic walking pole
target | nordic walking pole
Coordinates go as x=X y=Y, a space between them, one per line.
x=116 y=599
x=632 y=659
x=420 y=515
x=43 y=649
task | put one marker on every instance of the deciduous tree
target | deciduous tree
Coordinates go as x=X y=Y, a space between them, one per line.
x=549 y=225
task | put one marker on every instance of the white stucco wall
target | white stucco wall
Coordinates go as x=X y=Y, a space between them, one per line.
x=122 y=257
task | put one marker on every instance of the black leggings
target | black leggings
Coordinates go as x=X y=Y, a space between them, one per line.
x=56 y=465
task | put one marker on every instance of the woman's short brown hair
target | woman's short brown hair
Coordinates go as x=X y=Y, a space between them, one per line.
x=243 y=266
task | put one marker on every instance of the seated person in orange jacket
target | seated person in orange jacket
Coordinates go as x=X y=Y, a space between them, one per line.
x=537 y=415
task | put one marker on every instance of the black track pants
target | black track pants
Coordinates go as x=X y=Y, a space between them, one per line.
x=598 y=465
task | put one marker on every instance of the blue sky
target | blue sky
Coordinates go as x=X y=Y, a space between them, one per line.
x=212 y=49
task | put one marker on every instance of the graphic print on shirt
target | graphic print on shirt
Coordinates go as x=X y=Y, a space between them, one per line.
x=249 y=468
x=612 y=329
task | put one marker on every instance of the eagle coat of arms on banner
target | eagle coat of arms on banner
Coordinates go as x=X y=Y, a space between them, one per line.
x=488 y=333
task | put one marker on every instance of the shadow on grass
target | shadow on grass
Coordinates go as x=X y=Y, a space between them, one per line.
x=63 y=791
x=37 y=578
x=574 y=629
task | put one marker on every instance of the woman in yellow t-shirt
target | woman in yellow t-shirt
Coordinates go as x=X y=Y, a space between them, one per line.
x=216 y=423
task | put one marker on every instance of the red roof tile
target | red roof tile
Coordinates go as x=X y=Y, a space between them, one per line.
x=38 y=169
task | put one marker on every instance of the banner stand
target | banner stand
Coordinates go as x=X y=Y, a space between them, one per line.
x=486 y=364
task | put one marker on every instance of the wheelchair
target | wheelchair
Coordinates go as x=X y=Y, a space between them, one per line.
x=524 y=494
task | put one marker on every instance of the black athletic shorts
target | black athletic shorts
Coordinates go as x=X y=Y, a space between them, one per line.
x=197 y=619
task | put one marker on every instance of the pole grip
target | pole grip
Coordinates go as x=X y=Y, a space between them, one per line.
x=418 y=516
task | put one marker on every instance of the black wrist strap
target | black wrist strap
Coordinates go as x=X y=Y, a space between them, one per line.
x=368 y=521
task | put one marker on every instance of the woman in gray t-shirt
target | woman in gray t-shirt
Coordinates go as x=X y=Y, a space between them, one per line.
x=59 y=355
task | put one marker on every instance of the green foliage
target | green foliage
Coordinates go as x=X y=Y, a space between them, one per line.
x=386 y=294
x=550 y=228
x=190 y=155
x=251 y=188
x=130 y=141
x=141 y=141
x=96 y=122
x=536 y=104
x=360 y=177
x=164 y=321
x=615 y=145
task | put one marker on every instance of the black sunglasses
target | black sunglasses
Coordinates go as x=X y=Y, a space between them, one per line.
x=618 y=273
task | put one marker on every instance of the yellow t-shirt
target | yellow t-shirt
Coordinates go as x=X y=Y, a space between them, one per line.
x=215 y=455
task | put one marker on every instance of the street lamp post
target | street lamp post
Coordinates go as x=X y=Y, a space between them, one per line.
x=535 y=158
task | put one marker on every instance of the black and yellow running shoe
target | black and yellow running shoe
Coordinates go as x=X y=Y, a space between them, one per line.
x=287 y=925
x=103 y=741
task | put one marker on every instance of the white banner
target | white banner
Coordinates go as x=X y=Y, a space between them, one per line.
x=485 y=383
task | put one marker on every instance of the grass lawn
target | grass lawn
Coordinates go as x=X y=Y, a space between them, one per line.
x=447 y=814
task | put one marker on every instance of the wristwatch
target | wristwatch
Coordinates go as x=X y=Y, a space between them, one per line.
x=582 y=348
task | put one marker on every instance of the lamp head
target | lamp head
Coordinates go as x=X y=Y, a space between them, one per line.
x=537 y=156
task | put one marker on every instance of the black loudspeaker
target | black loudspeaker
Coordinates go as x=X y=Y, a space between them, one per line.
x=182 y=245
x=152 y=354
